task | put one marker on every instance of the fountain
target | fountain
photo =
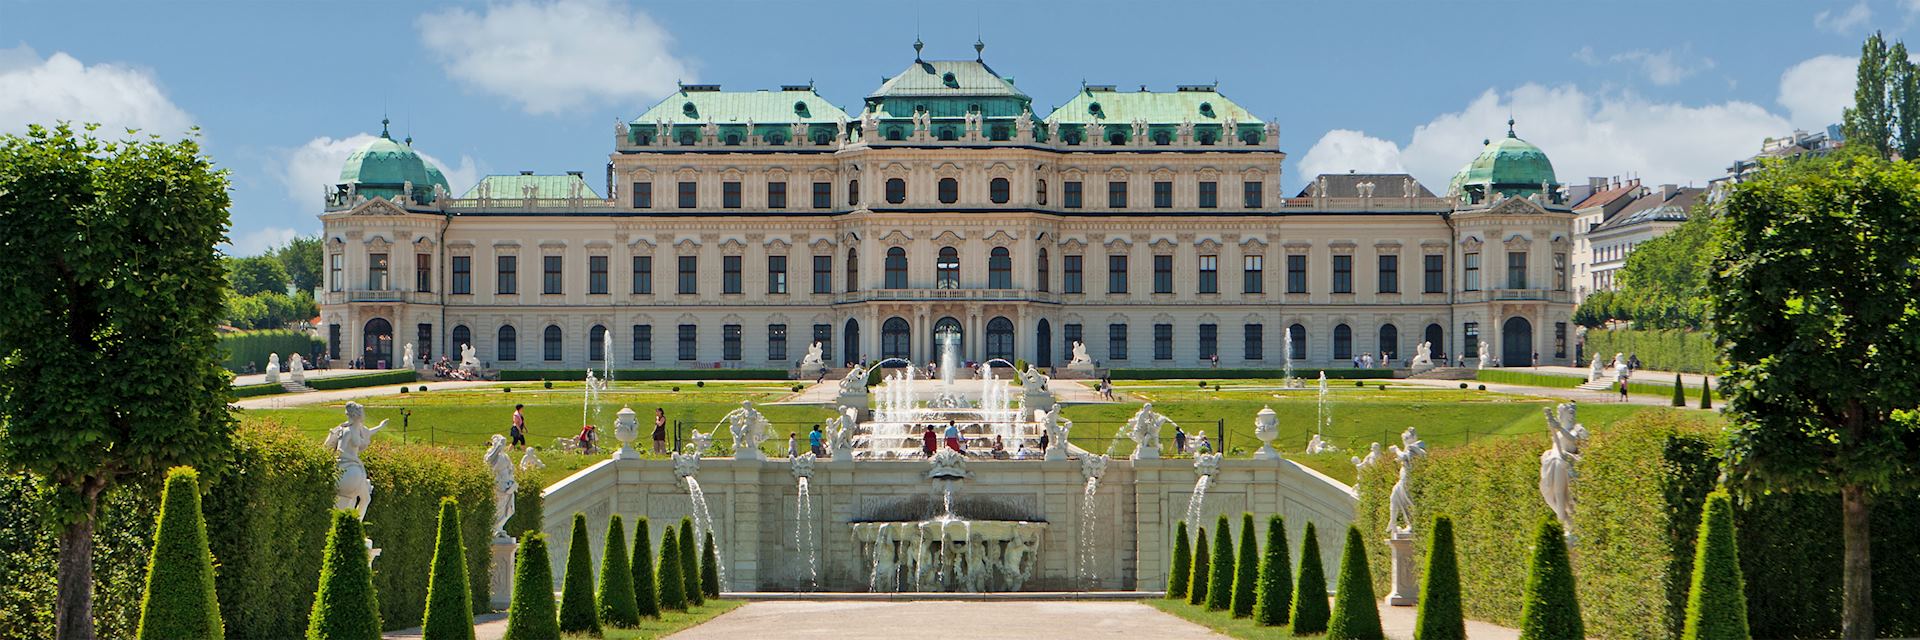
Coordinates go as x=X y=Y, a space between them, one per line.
x=1286 y=359
x=685 y=466
x=803 y=539
x=902 y=407
x=1208 y=466
x=1323 y=418
x=948 y=552
x=1093 y=467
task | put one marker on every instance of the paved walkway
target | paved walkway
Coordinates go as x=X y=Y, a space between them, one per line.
x=1067 y=391
x=1650 y=376
x=486 y=626
x=282 y=400
x=857 y=620
x=1580 y=395
x=1397 y=622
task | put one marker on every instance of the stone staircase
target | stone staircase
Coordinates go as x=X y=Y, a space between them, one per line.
x=1603 y=384
x=1446 y=373
x=295 y=387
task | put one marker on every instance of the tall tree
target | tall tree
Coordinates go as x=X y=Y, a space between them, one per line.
x=1813 y=298
x=257 y=274
x=1663 y=284
x=107 y=265
x=1869 y=122
x=1904 y=94
x=301 y=258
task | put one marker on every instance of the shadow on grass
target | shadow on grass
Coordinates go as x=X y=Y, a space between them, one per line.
x=671 y=621
x=1221 y=621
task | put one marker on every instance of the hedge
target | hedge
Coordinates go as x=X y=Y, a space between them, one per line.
x=1553 y=381
x=1182 y=557
x=397 y=376
x=263 y=389
x=1240 y=374
x=579 y=613
x=345 y=607
x=408 y=483
x=449 y=613
x=1310 y=612
x=1356 y=616
x=180 y=601
x=535 y=375
x=1276 y=577
x=1202 y=559
x=1550 y=609
x=1246 y=568
x=242 y=347
x=690 y=563
x=532 y=614
x=1659 y=349
x=1220 y=570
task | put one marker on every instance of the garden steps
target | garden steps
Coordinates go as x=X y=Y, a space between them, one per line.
x=1602 y=384
x=1445 y=373
x=295 y=387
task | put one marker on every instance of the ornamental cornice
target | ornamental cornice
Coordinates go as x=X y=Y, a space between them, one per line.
x=1342 y=247
x=1000 y=236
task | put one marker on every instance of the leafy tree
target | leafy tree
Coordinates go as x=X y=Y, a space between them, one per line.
x=1814 y=302
x=710 y=568
x=1220 y=585
x=1355 y=616
x=1549 y=609
x=617 y=606
x=1716 y=601
x=1310 y=593
x=531 y=615
x=673 y=588
x=301 y=257
x=1276 y=575
x=180 y=600
x=1663 y=284
x=257 y=274
x=1197 y=582
x=1904 y=92
x=1182 y=559
x=578 y=612
x=690 y=563
x=449 y=614
x=646 y=599
x=1246 y=570
x=344 y=608
x=1869 y=122
x=245 y=312
x=1440 y=616
x=109 y=267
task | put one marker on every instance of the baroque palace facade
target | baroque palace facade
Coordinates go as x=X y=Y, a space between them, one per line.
x=740 y=226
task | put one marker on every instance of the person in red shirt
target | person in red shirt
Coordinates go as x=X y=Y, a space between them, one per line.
x=929 y=442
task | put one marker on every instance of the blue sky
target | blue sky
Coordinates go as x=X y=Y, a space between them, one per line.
x=1668 y=91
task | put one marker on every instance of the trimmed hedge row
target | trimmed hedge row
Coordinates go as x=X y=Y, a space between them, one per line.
x=242 y=347
x=1236 y=374
x=408 y=482
x=1660 y=349
x=1549 y=380
x=397 y=376
x=263 y=389
x=535 y=375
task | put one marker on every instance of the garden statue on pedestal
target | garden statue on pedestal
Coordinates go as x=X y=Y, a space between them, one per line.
x=1316 y=444
x=1556 y=463
x=406 y=358
x=626 y=427
x=1266 y=427
x=273 y=368
x=1400 y=501
x=1484 y=355
x=531 y=462
x=1144 y=428
x=352 y=490
x=1422 y=357
x=1057 y=428
x=504 y=486
x=1034 y=395
x=749 y=429
x=469 y=362
x=853 y=391
x=1596 y=372
x=840 y=434
x=1080 y=361
x=1373 y=455
x=812 y=362
x=297 y=368
x=1410 y=441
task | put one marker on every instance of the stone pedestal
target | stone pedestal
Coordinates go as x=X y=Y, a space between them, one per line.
x=626 y=452
x=1266 y=452
x=1406 y=588
x=500 y=574
x=1148 y=451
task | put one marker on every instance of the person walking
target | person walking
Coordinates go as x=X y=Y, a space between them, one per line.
x=519 y=428
x=953 y=436
x=1179 y=439
x=929 y=442
x=659 y=431
x=1623 y=389
x=793 y=446
x=814 y=443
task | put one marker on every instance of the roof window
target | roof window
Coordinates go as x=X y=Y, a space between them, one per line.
x=1206 y=109
x=1096 y=111
x=800 y=109
x=949 y=80
x=690 y=110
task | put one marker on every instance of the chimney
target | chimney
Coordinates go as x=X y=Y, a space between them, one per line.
x=1667 y=191
x=1597 y=184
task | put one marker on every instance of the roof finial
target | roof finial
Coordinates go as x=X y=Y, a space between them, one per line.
x=917 y=46
x=979 y=47
x=1510 y=126
x=383 y=128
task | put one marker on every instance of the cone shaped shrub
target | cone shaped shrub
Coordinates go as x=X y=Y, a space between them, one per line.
x=449 y=613
x=1182 y=564
x=646 y=599
x=1197 y=581
x=578 y=612
x=1706 y=393
x=1679 y=392
x=617 y=608
x=531 y=615
x=1246 y=569
x=1310 y=592
x=1276 y=577
x=709 y=568
x=1716 y=602
x=1440 y=616
x=344 y=607
x=1220 y=584
x=673 y=588
x=180 y=601
x=1356 y=615
x=1549 y=610
x=690 y=564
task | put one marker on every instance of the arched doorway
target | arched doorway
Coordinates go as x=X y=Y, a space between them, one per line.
x=1389 y=343
x=894 y=338
x=378 y=350
x=1516 y=342
x=1000 y=339
x=1043 y=345
x=850 y=341
x=1437 y=347
x=945 y=325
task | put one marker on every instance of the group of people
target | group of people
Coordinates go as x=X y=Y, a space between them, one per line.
x=816 y=443
x=1199 y=445
x=588 y=440
x=447 y=368
x=951 y=437
x=1368 y=361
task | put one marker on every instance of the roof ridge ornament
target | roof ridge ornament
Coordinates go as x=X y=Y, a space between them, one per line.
x=979 y=50
x=917 y=46
x=383 y=128
x=1510 y=127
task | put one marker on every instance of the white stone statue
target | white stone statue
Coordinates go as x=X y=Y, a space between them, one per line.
x=1094 y=465
x=1316 y=444
x=1556 y=463
x=297 y=368
x=948 y=464
x=1207 y=464
x=1034 y=394
x=749 y=429
x=1485 y=354
x=273 y=368
x=812 y=362
x=352 y=490
x=1410 y=442
x=626 y=427
x=1423 y=356
x=1400 y=502
x=1144 y=428
x=1266 y=427
x=701 y=442
x=685 y=465
x=469 y=362
x=1620 y=367
x=1373 y=455
x=1057 y=428
x=802 y=465
x=1080 y=361
x=504 y=485
x=406 y=360
x=840 y=430
x=531 y=462
x=853 y=390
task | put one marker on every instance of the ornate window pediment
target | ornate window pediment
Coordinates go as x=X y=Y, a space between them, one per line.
x=687 y=173
x=1341 y=246
x=642 y=174
x=1073 y=173
x=1000 y=170
x=1432 y=247
x=821 y=244
x=895 y=170
x=948 y=170
x=897 y=238
x=949 y=237
x=1118 y=242
x=1162 y=244
x=641 y=245
x=1386 y=246
x=1253 y=174
x=1298 y=246
x=732 y=247
x=378 y=206
x=1000 y=237
x=822 y=174
x=777 y=173
x=599 y=247
x=378 y=242
x=1252 y=244
x=1073 y=244
x=732 y=173
x=778 y=244
x=687 y=245
x=1209 y=245
x=1117 y=173
x=1162 y=173
x=1208 y=173
x=1517 y=242
x=1470 y=243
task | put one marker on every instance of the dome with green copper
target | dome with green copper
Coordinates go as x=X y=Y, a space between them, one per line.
x=385 y=166
x=1509 y=165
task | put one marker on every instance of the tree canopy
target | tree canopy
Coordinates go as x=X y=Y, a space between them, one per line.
x=257 y=274
x=301 y=258
x=1663 y=284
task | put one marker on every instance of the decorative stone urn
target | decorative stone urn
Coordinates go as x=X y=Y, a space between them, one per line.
x=1266 y=427
x=626 y=427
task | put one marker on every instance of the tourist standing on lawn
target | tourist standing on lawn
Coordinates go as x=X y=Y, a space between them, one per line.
x=659 y=431
x=519 y=429
x=1179 y=439
x=814 y=444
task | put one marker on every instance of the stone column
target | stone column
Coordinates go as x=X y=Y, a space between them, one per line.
x=742 y=542
x=1406 y=589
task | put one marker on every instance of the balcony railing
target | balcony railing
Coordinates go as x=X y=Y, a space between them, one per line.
x=367 y=295
x=969 y=295
x=1548 y=295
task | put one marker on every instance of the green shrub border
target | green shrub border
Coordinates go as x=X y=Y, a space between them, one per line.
x=240 y=347
x=397 y=376
x=535 y=375
x=1241 y=374
x=1659 y=349
x=1554 y=381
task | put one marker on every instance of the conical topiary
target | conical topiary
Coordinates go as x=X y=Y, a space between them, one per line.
x=690 y=563
x=1276 y=577
x=449 y=614
x=646 y=598
x=1440 y=616
x=532 y=616
x=344 y=607
x=1706 y=393
x=673 y=588
x=1549 y=609
x=180 y=600
x=1679 y=392
x=709 y=568
x=1182 y=563
x=617 y=608
x=1246 y=569
x=1310 y=592
x=579 y=614
x=1197 y=581
x=1356 y=616
x=1220 y=580
x=1716 y=601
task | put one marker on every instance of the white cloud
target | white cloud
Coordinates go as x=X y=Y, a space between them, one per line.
x=308 y=169
x=35 y=90
x=1665 y=67
x=1817 y=90
x=1343 y=150
x=556 y=56
x=253 y=243
x=1844 y=22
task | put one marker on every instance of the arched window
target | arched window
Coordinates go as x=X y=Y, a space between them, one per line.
x=896 y=190
x=853 y=193
x=506 y=345
x=946 y=272
x=853 y=271
x=1040 y=192
x=949 y=191
x=1117 y=138
x=596 y=343
x=896 y=268
x=1438 y=342
x=822 y=137
x=1041 y=272
x=1000 y=190
x=945 y=326
x=733 y=139
x=378 y=348
x=643 y=139
x=1000 y=338
x=686 y=138
x=1206 y=137
x=895 y=133
x=1389 y=341
x=1342 y=342
x=1000 y=269
x=1162 y=137
x=851 y=338
x=947 y=133
x=895 y=338
x=1071 y=137
x=550 y=344
x=461 y=337
x=776 y=139
x=1297 y=341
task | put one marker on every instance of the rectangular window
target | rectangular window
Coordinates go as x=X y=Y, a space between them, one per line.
x=1163 y=195
x=423 y=272
x=1343 y=274
x=1209 y=194
x=551 y=271
x=776 y=342
x=643 y=275
x=776 y=274
x=336 y=263
x=1209 y=274
x=1071 y=284
x=1296 y=274
x=823 y=334
x=1070 y=194
x=1116 y=274
x=689 y=194
x=689 y=274
x=1070 y=333
x=1472 y=272
x=1255 y=280
x=823 y=195
x=776 y=195
x=1163 y=274
x=730 y=194
x=1516 y=269
x=597 y=275
x=1389 y=274
x=508 y=270
x=729 y=274
x=1163 y=342
x=823 y=274
x=462 y=275
x=1116 y=342
x=1435 y=276
x=689 y=341
x=377 y=271
x=730 y=342
x=333 y=342
x=643 y=195
x=1117 y=194
x=1472 y=347
x=1254 y=198
x=643 y=342
x=1559 y=339
x=1209 y=340
x=1255 y=341
x=1559 y=272
x=424 y=335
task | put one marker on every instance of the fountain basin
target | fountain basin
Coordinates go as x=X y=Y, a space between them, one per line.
x=949 y=554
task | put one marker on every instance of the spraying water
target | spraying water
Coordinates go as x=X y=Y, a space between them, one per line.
x=703 y=523
x=1324 y=408
x=1195 y=501
x=1088 y=515
x=1286 y=357
x=803 y=538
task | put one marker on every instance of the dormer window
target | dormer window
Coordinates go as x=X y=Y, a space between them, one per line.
x=686 y=138
x=733 y=139
x=1206 y=137
x=776 y=140
x=1162 y=137
x=949 y=80
x=800 y=109
x=894 y=133
x=1206 y=109
x=973 y=108
x=1093 y=109
x=689 y=110
x=946 y=133
x=1117 y=138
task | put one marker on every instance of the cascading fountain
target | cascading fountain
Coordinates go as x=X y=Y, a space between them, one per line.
x=1208 y=466
x=804 y=541
x=686 y=466
x=1323 y=418
x=1093 y=467
x=948 y=552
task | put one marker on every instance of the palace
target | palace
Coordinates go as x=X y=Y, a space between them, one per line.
x=740 y=226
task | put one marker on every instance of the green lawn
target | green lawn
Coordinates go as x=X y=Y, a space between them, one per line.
x=670 y=621
x=1222 y=621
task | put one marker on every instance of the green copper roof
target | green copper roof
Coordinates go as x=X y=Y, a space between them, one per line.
x=1190 y=104
x=384 y=166
x=1509 y=165
x=700 y=104
x=508 y=187
x=947 y=79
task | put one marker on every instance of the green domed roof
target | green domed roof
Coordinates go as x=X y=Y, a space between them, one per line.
x=1508 y=165
x=384 y=167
